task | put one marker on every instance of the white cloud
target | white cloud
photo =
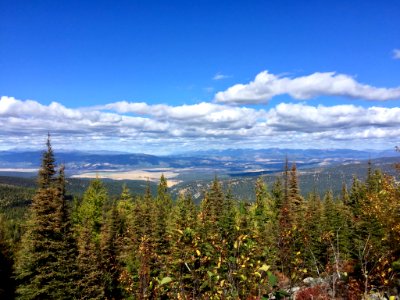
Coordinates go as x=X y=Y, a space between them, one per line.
x=305 y=118
x=396 y=53
x=204 y=113
x=266 y=86
x=141 y=127
x=220 y=76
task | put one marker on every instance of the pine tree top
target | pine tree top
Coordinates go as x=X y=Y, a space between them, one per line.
x=48 y=167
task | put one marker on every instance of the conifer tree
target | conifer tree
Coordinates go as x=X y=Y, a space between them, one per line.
x=212 y=204
x=126 y=241
x=7 y=283
x=141 y=262
x=90 y=211
x=91 y=282
x=277 y=193
x=109 y=251
x=185 y=212
x=314 y=229
x=228 y=218
x=67 y=247
x=345 y=198
x=89 y=221
x=285 y=221
x=125 y=208
x=163 y=208
x=292 y=236
x=356 y=197
x=294 y=195
x=265 y=225
x=45 y=263
x=184 y=259
x=160 y=235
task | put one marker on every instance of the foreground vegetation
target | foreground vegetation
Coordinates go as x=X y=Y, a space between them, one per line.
x=146 y=247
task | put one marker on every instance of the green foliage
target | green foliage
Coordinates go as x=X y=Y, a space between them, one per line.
x=90 y=211
x=152 y=247
x=45 y=264
x=7 y=284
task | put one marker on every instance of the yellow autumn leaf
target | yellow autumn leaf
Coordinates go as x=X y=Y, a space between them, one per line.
x=264 y=268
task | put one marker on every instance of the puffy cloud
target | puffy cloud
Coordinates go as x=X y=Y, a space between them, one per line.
x=305 y=118
x=204 y=113
x=396 y=53
x=142 y=127
x=266 y=86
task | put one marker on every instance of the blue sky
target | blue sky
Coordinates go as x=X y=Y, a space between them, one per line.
x=185 y=59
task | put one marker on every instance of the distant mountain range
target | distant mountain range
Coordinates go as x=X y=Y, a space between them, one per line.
x=300 y=154
x=230 y=161
x=237 y=168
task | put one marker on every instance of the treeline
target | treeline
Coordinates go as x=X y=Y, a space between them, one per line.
x=156 y=247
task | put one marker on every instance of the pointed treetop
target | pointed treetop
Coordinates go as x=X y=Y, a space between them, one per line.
x=147 y=194
x=125 y=194
x=261 y=192
x=47 y=170
x=163 y=185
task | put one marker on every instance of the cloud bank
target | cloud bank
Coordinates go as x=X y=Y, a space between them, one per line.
x=265 y=86
x=141 y=127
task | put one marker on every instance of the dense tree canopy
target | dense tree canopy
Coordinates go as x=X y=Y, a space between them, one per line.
x=156 y=247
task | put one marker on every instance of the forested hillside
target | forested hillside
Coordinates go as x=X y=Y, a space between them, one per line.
x=156 y=246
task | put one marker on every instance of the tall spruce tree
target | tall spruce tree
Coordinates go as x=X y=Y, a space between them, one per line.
x=45 y=266
x=182 y=261
x=89 y=222
x=110 y=251
x=294 y=195
x=163 y=206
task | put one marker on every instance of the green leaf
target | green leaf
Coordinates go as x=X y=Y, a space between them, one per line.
x=165 y=280
x=272 y=279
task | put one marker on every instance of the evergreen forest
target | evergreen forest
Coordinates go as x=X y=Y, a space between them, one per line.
x=152 y=246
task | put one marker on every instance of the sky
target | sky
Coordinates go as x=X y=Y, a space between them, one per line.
x=164 y=77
